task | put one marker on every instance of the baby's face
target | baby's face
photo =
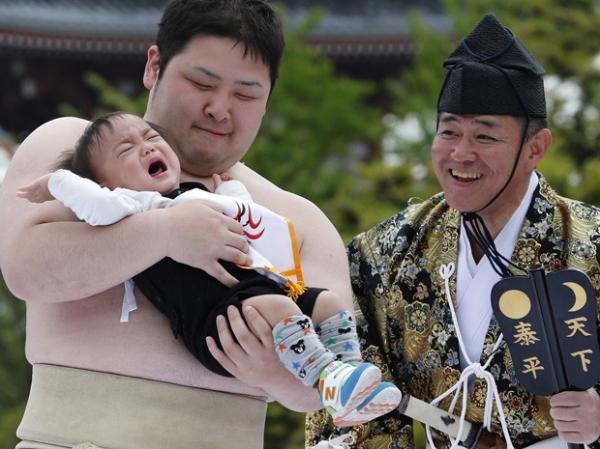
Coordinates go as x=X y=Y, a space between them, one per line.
x=135 y=156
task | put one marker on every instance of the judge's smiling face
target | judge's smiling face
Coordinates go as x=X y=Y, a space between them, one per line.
x=473 y=156
x=131 y=154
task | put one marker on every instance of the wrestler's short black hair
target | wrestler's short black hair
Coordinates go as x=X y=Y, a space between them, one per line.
x=252 y=23
x=79 y=160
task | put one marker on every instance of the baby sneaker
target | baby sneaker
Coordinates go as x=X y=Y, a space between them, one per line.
x=383 y=399
x=343 y=387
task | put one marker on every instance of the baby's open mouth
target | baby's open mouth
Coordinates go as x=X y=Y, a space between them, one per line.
x=156 y=168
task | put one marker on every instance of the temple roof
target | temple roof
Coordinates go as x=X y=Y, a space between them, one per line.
x=79 y=26
x=127 y=27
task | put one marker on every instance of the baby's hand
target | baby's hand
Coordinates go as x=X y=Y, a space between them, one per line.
x=220 y=179
x=37 y=191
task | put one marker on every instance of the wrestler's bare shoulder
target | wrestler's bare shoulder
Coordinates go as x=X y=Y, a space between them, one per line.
x=39 y=151
x=54 y=132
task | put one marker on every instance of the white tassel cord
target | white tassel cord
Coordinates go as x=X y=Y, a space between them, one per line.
x=342 y=442
x=473 y=369
x=129 y=302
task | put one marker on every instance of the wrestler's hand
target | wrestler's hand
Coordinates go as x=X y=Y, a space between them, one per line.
x=37 y=191
x=253 y=360
x=200 y=236
x=576 y=415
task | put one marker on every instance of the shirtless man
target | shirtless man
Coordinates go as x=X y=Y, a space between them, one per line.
x=209 y=80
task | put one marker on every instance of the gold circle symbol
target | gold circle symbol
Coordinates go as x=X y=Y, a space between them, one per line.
x=514 y=304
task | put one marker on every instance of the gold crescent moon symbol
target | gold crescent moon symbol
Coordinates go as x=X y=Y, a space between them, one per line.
x=514 y=304
x=580 y=295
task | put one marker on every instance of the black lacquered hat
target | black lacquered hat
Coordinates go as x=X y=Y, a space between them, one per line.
x=492 y=72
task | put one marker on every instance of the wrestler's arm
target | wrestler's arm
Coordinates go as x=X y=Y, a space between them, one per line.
x=367 y=284
x=60 y=252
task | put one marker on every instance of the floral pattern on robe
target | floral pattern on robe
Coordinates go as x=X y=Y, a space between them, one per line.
x=405 y=324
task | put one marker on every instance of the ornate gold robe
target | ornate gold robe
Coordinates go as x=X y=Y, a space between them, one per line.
x=405 y=324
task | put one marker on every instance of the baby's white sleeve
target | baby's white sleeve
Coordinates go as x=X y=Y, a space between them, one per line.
x=98 y=205
x=235 y=189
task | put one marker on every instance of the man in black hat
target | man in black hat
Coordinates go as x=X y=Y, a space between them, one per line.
x=422 y=278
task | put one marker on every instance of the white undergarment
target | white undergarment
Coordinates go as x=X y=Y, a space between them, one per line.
x=474 y=281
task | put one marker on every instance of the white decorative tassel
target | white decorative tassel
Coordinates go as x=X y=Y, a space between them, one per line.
x=129 y=302
x=341 y=442
x=474 y=369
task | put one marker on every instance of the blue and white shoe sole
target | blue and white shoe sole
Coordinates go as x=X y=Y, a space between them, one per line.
x=359 y=385
x=382 y=400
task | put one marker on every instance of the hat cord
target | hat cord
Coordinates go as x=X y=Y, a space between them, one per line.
x=477 y=230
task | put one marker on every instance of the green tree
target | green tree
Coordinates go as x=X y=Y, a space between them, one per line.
x=315 y=120
x=15 y=373
x=574 y=114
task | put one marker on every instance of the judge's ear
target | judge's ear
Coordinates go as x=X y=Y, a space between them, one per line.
x=152 y=67
x=537 y=145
